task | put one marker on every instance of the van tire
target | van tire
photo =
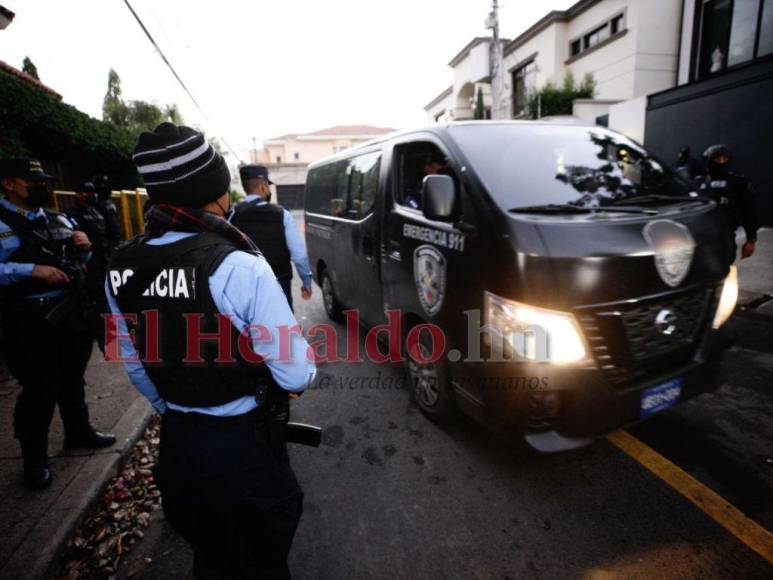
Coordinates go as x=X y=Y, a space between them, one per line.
x=430 y=385
x=329 y=300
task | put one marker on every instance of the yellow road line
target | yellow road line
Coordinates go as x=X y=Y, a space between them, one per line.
x=725 y=514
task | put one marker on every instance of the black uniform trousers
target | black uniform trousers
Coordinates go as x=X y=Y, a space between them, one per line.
x=48 y=360
x=227 y=494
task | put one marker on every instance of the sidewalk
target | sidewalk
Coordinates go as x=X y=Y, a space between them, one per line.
x=756 y=274
x=35 y=525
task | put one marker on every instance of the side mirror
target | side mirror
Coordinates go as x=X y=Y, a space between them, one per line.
x=439 y=198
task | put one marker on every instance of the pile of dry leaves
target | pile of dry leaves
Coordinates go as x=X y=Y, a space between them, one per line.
x=118 y=521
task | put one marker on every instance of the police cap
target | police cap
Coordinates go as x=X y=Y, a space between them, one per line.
x=24 y=167
x=254 y=172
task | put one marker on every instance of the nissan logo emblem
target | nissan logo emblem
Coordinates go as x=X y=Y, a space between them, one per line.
x=665 y=322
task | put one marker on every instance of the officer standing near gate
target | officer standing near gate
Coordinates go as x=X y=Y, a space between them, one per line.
x=734 y=195
x=224 y=473
x=47 y=339
x=272 y=229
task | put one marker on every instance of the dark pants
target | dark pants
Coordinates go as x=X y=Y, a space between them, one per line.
x=287 y=288
x=227 y=494
x=48 y=360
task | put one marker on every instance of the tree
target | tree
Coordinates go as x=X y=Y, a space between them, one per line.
x=29 y=67
x=480 y=111
x=114 y=110
x=553 y=100
x=134 y=115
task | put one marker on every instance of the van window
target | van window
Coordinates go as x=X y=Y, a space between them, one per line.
x=326 y=189
x=363 y=184
x=562 y=164
x=415 y=162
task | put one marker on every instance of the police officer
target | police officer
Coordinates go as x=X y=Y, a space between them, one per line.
x=85 y=212
x=686 y=165
x=734 y=195
x=272 y=229
x=47 y=341
x=108 y=210
x=224 y=474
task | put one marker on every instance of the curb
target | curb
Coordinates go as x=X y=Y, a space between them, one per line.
x=37 y=554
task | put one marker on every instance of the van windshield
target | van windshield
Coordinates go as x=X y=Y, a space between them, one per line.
x=562 y=165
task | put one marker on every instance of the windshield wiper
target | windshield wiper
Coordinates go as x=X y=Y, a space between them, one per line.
x=559 y=208
x=654 y=197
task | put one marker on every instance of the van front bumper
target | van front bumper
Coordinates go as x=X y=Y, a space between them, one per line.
x=558 y=408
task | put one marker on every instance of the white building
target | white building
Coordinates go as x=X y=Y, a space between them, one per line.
x=630 y=47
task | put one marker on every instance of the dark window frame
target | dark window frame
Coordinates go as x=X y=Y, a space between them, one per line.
x=620 y=17
x=514 y=78
x=697 y=41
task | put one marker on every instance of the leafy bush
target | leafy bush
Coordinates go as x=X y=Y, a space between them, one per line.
x=35 y=123
x=553 y=100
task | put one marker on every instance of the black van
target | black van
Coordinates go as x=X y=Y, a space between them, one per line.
x=580 y=285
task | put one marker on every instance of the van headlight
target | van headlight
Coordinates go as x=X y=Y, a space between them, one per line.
x=534 y=334
x=727 y=299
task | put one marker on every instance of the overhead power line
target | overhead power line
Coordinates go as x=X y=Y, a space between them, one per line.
x=174 y=72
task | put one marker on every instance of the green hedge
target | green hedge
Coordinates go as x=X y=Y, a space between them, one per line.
x=35 y=123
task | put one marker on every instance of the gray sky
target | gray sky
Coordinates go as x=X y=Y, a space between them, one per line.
x=258 y=68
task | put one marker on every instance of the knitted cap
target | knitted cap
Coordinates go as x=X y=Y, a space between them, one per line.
x=180 y=167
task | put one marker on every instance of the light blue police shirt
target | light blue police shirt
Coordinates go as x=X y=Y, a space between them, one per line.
x=294 y=241
x=244 y=287
x=13 y=272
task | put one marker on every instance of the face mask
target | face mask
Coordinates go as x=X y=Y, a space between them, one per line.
x=103 y=195
x=91 y=200
x=718 y=169
x=38 y=195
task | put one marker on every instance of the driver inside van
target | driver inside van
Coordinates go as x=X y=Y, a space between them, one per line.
x=434 y=164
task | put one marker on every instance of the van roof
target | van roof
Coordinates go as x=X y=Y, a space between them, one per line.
x=440 y=128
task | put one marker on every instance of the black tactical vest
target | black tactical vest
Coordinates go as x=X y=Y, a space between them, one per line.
x=264 y=224
x=173 y=281
x=44 y=242
x=91 y=221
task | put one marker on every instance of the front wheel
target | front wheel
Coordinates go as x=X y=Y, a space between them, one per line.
x=332 y=307
x=431 y=384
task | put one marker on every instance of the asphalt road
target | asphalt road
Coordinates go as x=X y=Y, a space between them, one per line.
x=391 y=495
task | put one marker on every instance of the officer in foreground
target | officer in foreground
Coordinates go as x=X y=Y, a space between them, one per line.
x=272 y=229
x=734 y=194
x=47 y=339
x=224 y=473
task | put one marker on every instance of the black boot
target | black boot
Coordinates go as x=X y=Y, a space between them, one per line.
x=89 y=438
x=37 y=476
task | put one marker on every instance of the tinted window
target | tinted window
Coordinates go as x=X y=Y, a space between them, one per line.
x=326 y=189
x=363 y=184
x=559 y=164
x=742 y=31
x=766 y=29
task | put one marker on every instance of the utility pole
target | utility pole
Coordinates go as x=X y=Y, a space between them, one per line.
x=254 y=150
x=498 y=98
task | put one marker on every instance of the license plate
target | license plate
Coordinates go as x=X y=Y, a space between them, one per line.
x=660 y=397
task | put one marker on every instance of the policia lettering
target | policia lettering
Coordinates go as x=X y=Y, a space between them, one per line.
x=169 y=283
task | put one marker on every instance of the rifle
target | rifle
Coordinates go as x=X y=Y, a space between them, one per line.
x=274 y=416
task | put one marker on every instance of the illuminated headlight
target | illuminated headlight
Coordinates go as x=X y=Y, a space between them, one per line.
x=728 y=298
x=534 y=334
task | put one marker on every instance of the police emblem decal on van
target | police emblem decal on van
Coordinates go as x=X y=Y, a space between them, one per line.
x=429 y=274
x=673 y=246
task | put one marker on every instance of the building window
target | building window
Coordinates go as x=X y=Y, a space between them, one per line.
x=732 y=33
x=296 y=156
x=608 y=29
x=279 y=159
x=524 y=80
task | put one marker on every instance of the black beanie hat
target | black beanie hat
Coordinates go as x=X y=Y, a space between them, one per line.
x=180 y=167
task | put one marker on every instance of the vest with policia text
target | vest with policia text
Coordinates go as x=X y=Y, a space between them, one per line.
x=44 y=242
x=264 y=224
x=173 y=280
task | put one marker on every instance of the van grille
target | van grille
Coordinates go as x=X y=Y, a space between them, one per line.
x=627 y=344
